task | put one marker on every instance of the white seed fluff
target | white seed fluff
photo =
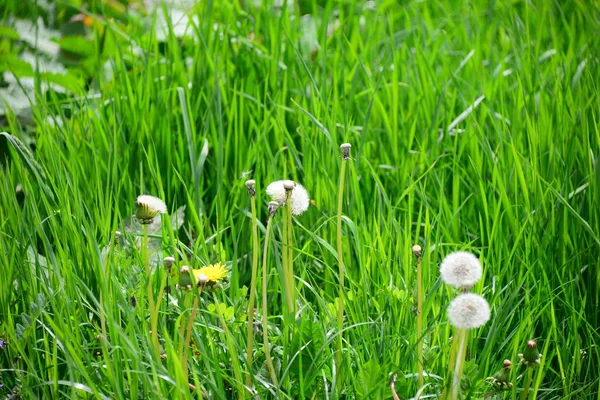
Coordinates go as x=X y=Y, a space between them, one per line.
x=468 y=311
x=461 y=270
x=299 y=200
x=154 y=205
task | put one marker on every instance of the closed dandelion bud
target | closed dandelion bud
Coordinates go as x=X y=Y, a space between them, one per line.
x=461 y=270
x=273 y=206
x=345 y=148
x=149 y=207
x=169 y=261
x=250 y=185
x=299 y=199
x=185 y=278
x=531 y=356
x=501 y=379
x=468 y=311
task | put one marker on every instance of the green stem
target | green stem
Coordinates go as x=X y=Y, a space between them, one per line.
x=340 y=308
x=525 y=392
x=266 y=347
x=250 y=333
x=149 y=292
x=460 y=360
x=290 y=254
x=420 y=322
x=451 y=362
x=285 y=268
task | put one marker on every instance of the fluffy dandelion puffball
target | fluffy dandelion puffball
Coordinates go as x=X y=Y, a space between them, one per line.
x=210 y=274
x=149 y=207
x=299 y=199
x=461 y=270
x=468 y=311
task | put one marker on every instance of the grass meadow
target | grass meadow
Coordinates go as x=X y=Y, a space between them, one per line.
x=475 y=126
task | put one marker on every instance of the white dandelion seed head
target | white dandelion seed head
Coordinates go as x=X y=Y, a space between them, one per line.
x=299 y=199
x=461 y=270
x=468 y=311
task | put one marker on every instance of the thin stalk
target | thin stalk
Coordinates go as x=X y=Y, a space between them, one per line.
x=460 y=360
x=290 y=254
x=149 y=292
x=181 y=349
x=340 y=309
x=420 y=321
x=525 y=392
x=250 y=333
x=451 y=362
x=284 y=263
x=265 y=328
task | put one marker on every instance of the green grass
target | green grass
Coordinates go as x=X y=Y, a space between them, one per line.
x=518 y=185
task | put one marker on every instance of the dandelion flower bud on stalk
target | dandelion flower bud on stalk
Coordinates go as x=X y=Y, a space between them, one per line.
x=250 y=185
x=345 y=148
x=468 y=311
x=185 y=278
x=501 y=379
x=168 y=262
x=531 y=356
x=461 y=270
x=149 y=207
x=299 y=199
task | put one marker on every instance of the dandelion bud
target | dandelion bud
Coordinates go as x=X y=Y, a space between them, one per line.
x=531 y=356
x=149 y=207
x=250 y=185
x=461 y=270
x=117 y=238
x=345 y=148
x=169 y=261
x=185 y=278
x=273 y=206
x=299 y=199
x=468 y=311
x=417 y=251
x=501 y=379
x=201 y=279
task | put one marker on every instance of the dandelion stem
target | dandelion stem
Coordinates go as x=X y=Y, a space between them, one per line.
x=460 y=360
x=149 y=291
x=451 y=362
x=290 y=254
x=265 y=327
x=525 y=392
x=250 y=335
x=340 y=308
x=420 y=320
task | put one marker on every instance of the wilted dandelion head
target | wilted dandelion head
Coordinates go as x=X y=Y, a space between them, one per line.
x=149 y=207
x=210 y=275
x=299 y=199
x=461 y=270
x=251 y=186
x=468 y=311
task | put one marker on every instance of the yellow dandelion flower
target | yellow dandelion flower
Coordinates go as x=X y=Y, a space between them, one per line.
x=210 y=274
